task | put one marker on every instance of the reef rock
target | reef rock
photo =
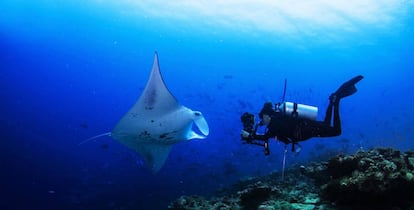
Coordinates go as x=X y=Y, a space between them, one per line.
x=377 y=179
x=295 y=192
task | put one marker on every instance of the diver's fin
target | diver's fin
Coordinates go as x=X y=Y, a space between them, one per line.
x=346 y=89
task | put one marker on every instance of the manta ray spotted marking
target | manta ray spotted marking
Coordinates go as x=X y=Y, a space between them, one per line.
x=156 y=122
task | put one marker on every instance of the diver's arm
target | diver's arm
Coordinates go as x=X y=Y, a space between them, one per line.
x=265 y=137
x=259 y=136
x=250 y=136
x=285 y=140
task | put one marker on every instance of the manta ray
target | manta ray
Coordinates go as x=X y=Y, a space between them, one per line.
x=156 y=122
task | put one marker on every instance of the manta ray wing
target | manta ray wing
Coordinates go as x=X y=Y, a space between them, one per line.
x=157 y=121
x=156 y=99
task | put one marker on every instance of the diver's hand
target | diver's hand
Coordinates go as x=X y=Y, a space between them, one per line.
x=245 y=135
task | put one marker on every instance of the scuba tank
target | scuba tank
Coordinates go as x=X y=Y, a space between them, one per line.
x=297 y=110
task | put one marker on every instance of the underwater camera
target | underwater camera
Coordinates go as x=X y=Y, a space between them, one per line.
x=248 y=122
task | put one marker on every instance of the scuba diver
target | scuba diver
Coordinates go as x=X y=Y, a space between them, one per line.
x=291 y=123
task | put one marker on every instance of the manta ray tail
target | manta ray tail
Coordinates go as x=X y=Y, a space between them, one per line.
x=95 y=137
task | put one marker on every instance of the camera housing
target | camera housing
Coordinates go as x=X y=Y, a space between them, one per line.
x=250 y=127
x=248 y=122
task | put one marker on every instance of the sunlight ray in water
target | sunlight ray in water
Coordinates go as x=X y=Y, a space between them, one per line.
x=286 y=17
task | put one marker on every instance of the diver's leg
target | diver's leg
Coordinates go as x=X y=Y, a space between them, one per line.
x=328 y=114
x=346 y=89
x=325 y=129
x=337 y=120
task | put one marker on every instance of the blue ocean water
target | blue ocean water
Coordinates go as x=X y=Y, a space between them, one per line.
x=71 y=70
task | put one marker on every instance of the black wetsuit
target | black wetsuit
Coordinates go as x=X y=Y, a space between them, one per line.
x=289 y=129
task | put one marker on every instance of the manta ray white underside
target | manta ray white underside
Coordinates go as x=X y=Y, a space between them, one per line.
x=156 y=122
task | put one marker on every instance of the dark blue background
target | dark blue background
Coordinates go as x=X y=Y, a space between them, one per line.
x=69 y=72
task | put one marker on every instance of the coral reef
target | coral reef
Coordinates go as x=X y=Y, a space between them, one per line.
x=296 y=191
x=381 y=178
x=377 y=179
